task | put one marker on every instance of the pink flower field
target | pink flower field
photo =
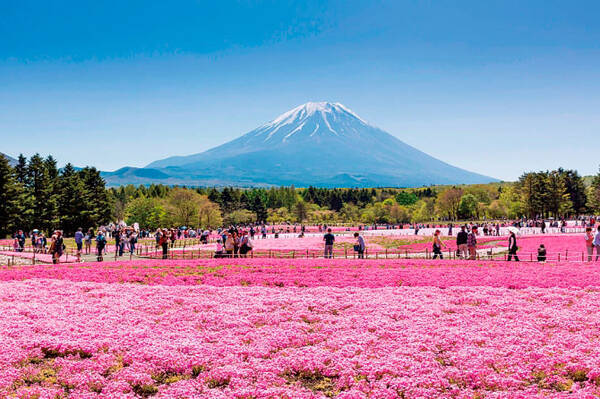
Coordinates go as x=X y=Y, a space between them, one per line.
x=300 y=328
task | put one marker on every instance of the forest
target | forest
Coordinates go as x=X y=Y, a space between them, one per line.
x=35 y=193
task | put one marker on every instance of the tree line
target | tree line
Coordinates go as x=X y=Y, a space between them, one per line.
x=36 y=194
x=559 y=193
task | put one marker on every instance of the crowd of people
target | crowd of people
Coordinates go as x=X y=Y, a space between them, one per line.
x=237 y=241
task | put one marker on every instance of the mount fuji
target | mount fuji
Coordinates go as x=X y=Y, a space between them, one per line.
x=321 y=144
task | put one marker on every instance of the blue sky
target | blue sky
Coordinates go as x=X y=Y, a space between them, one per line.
x=496 y=87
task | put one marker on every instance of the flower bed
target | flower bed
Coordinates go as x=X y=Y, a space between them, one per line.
x=108 y=340
x=318 y=272
x=300 y=328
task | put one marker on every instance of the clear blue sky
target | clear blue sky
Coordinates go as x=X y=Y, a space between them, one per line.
x=497 y=87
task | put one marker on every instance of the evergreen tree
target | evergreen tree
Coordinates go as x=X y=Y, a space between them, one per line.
x=8 y=198
x=40 y=187
x=96 y=207
x=594 y=193
x=69 y=196
x=575 y=188
x=21 y=171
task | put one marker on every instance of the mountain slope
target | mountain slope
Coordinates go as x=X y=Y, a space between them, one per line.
x=322 y=144
x=12 y=161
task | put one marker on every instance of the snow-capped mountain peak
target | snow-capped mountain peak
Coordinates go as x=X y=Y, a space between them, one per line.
x=310 y=120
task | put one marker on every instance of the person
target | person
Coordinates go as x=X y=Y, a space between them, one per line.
x=512 y=247
x=229 y=245
x=472 y=243
x=20 y=236
x=117 y=235
x=245 y=245
x=329 y=240
x=88 y=241
x=597 y=243
x=461 y=243
x=100 y=245
x=79 y=240
x=34 y=241
x=157 y=237
x=437 y=245
x=359 y=246
x=589 y=243
x=164 y=243
x=235 y=239
x=173 y=235
x=541 y=257
x=122 y=241
x=219 y=250
x=132 y=241
x=543 y=226
x=57 y=246
x=43 y=242
x=450 y=229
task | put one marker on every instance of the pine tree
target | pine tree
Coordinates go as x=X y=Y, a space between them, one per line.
x=575 y=188
x=21 y=171
x=8 y=197
x=69 y=196
x=40 y=187
x=594 y=193
x=96 y=207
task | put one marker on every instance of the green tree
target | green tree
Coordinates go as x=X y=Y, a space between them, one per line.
x=8 y=197
x=467 y=209
x=146 y=211
x=41 y=188
x=209 y=213
x=406 y=199
x=557 y=197
x=96 y=206
x=301 y=211
x=448 y=202
x=69 y=200
x=238 y=217
x=575 y=188
x=594 y=193
x=182 y=207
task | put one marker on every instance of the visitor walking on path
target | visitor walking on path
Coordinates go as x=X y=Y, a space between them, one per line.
x=100 y=245
x=79 y=240
x=472 y=243
x=56 y=247
x=329 y=240
x=437 y=245
x=359 y=246
x=512 y=247
x=589 y=243
x=461 y=243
